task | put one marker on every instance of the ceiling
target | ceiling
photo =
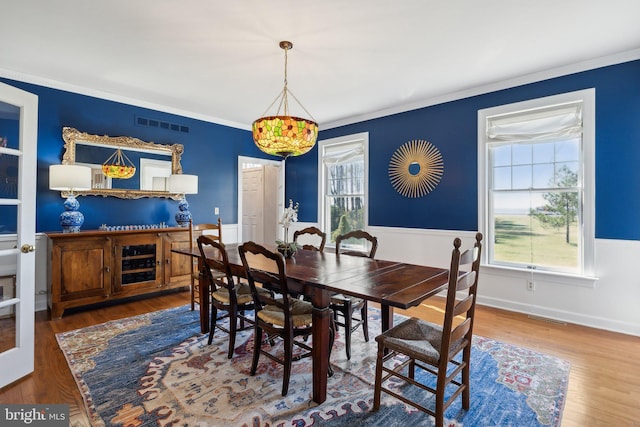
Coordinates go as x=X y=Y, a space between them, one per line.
x=352 y=59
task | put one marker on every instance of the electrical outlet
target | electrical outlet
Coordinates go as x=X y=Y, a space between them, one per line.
x=531 y=285
x=216 y=211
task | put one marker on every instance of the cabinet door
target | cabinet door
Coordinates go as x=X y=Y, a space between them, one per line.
x=177 y=270
x=137 y=263
x=80 y=269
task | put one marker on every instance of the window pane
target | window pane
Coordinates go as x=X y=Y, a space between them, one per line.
x=502 y=178
x=522 y=154
x=537 y=229
x=543 y=152
x=566 y=174
x=345 y=214
x=567 y=150
x=522 y=177
x=8 y=176
x=543 y=175
x=9 y=219
x=501 y=155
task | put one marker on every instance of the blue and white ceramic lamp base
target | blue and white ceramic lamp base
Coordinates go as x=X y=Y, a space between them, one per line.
x=183 y=216
x=71 y=219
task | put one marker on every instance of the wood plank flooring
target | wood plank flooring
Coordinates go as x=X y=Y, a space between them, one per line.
x=604 y=385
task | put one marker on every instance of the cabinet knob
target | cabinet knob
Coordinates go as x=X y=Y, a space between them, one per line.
x=108 y=269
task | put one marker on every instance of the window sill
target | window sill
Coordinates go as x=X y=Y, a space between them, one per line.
x=546 y=276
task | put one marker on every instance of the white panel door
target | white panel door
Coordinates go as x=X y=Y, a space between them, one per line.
x=18 y=146
x=252 y=204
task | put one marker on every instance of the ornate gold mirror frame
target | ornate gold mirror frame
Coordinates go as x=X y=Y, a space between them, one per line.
x=73 y=137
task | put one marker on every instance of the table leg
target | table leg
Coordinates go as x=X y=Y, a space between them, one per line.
x=387 y=317
x=321 y=343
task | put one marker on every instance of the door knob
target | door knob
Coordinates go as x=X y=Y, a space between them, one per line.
x=26 y=248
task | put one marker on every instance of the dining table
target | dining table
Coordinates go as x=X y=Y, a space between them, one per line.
x=318 y=275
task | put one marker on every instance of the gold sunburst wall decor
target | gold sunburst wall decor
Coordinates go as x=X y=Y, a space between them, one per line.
x=415 y=168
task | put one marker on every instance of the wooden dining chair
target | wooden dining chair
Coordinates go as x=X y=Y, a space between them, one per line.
x=233 y=299
x=214 y=231
x=281 y=317
x=312 y=232
x=433 y=347
x=346 y=305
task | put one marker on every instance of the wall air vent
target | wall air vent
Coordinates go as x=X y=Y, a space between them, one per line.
x=142 y=121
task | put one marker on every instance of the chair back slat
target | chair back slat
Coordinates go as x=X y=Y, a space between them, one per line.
x=466 y=280
x=461 y=330
x=463 y=306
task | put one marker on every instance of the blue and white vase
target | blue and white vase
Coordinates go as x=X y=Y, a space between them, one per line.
x=71 y=219
x=183 y=216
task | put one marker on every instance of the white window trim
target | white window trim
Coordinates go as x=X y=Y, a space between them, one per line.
x=587 y=96
x=364 y=137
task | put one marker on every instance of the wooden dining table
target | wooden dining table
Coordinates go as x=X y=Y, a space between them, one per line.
x=318 y=275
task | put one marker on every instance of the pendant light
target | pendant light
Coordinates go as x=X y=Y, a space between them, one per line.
x=285 y=135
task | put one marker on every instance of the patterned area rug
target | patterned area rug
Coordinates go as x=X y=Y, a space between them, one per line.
x=157 y=369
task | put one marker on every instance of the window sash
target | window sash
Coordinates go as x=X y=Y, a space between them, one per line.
x=342 y=183
x=578 y=108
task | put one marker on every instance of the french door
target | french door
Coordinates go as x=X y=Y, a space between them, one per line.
x=18 y=144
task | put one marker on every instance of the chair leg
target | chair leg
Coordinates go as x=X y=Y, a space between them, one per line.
x=193 y=296
x=288 y=355
x=332 y=337
x=440 y=385
x=365 y=320
x=257 y=344
x=377 y=390
x=233 y=321
x=212 y=326
x=348 y=314
x=466 y=393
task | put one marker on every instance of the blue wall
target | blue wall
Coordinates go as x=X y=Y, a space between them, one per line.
x=210 y=151
x=452 y=128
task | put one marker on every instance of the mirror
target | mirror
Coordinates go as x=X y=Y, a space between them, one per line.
x=153 y=163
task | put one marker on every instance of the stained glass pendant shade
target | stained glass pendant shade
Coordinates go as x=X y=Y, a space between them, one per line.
x=118 y=166
x=285 y=135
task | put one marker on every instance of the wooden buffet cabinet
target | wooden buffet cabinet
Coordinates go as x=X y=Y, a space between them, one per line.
x=91 y=267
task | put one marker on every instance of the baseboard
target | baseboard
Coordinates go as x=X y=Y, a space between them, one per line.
x=561 y=316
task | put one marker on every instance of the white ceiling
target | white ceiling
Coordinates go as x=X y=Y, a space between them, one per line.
x=352 y=59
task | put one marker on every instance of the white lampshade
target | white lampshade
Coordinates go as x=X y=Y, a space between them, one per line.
x=69 y=178
x=182 y=183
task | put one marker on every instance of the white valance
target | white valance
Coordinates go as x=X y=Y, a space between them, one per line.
x=343 y=153
x=552 y=122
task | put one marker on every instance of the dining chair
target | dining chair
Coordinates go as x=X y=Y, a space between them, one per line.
x=311 y=232
x=213 y=231
x=234 y=299
x=434 y=348
x=346 y=305
x=281 y=316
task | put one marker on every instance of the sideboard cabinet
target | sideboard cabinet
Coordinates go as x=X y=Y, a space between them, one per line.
x=90 y=267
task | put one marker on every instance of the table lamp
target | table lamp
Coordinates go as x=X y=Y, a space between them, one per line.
x=70 y=178
x=184 y=184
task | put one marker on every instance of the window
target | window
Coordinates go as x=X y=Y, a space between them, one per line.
x=343 y=171
x=537 y=183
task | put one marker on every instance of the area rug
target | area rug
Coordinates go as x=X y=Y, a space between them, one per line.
x=156 y=369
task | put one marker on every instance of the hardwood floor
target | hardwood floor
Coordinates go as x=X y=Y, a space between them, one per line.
x=604 y=385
